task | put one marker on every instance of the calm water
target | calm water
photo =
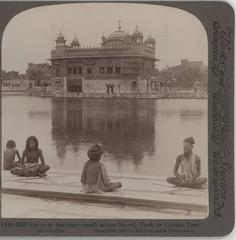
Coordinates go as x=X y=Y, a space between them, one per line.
x=139 y=136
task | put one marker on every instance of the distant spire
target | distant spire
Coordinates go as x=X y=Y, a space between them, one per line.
x=75 y=42
x=60 y=33
x=119 y=25
x=103 y=38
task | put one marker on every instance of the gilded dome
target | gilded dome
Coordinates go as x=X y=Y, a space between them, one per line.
x=75 y=40
x=118 y=34
x=60 y=41
x=137 y=32
x=75 y=43
x=150 y=39
x=60 y=37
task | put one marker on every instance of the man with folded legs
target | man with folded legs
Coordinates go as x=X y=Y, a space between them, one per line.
x=187 y=168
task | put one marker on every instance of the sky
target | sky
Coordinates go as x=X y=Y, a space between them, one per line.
x=30 y=35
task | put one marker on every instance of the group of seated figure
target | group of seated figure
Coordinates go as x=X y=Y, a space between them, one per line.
x=94 y=177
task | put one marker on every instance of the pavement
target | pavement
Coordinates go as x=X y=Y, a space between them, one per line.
x=146 y=196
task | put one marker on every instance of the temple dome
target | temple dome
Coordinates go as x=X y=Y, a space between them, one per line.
x=137 y=33
x=60 y=37
x=118 y=34
x=150 y=39
x=75 y=40
x=60 y=41
x=75 y=43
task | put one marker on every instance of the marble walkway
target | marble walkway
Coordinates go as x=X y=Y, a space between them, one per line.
x=136 y=191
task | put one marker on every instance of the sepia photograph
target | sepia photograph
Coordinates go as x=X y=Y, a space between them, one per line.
x=104 y=113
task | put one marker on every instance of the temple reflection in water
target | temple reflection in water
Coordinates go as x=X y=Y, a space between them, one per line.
x=140 y=136
x=125 y=128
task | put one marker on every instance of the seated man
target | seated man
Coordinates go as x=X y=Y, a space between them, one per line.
x=189 y=165
x=94 y=175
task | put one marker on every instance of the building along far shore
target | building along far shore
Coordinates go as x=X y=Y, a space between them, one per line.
x=124 y=63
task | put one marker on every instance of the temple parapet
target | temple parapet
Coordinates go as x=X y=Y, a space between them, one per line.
x=120 y=50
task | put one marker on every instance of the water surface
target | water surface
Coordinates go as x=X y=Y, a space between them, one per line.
x=140 y=136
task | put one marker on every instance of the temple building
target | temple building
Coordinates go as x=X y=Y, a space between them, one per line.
x=123 y=63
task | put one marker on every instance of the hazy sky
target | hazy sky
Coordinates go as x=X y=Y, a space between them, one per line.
x=30 y=36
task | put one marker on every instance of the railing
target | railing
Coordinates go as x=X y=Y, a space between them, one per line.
x=124 y=50
x=159 y=95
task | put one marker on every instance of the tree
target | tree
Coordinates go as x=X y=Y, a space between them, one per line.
x=189 y=76
x=166 y=75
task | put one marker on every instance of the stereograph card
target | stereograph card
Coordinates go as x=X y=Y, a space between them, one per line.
x=117 y=118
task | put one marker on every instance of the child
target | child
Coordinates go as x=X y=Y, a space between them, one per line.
x=9 y=155
x=94 y=176
x=30 y=160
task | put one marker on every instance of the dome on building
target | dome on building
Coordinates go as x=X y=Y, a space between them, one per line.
x=60 y=39
x=150 y=39
x=137 y=36
x=137 y=33
x=118 y=34
x=75 y=42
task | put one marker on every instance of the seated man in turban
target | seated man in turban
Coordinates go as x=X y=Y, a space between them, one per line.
x=187 y=168
x=94 y=176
